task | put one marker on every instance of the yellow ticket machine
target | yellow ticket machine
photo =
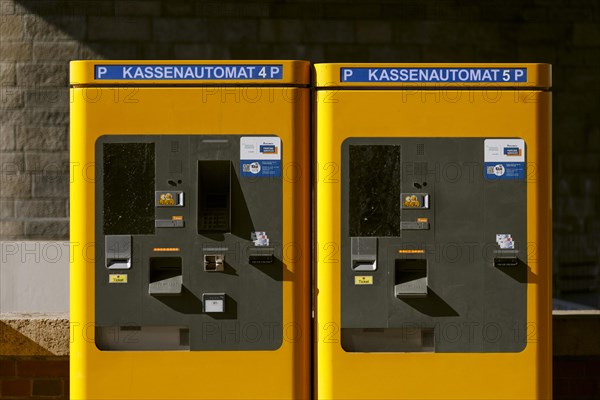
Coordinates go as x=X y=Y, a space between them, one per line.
x=190 y=236
x=433 y=236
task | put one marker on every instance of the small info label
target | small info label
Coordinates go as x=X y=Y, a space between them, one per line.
x=504 y=159
x=260 y=156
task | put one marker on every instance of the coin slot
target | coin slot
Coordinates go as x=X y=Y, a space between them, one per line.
x=214 y=262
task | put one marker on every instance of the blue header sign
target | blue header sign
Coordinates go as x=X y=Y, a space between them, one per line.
x=192 y=72
x=433 y=75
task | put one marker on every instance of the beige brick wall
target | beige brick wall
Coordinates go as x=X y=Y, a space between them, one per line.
x=34 y=362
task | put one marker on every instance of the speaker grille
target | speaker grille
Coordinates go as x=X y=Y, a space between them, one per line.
x=421 y=149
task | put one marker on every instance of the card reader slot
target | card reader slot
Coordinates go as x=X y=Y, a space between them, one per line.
x=258 y=255
x=506 y=258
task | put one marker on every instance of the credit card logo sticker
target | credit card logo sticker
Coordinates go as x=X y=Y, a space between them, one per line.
x=512 y=151
x=499 y=170
x=254 y=168
x=260 y=156
x=504 y=159
x=268 y=149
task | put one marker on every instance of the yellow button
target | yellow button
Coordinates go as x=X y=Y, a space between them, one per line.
x=363 y=280
x=117 y=278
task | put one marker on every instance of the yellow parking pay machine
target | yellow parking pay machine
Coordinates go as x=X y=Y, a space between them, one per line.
x=433 y=231
x=190 y=236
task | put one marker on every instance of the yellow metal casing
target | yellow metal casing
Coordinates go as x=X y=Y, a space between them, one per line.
x=407 y=109
x=187 y=106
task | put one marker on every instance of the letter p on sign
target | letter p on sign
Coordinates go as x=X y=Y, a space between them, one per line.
x=346 y=74
x=101 y=71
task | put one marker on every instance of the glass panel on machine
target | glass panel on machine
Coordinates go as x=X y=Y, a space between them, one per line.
x=374 y=190
x=128 y=188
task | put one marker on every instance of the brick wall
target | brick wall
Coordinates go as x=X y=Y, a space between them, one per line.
x=34 y=377
x=576 y=378
x=34 y=360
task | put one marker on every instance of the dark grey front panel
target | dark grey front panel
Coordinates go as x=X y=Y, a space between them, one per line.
x=441 y=282
x=205 y=265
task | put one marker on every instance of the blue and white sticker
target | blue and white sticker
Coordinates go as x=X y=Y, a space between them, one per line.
x=504 y=159
x=191 y=72
x=433 y=74
x=260 y=156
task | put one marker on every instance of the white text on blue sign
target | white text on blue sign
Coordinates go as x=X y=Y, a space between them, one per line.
x=188 y=72
x=435 y=75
